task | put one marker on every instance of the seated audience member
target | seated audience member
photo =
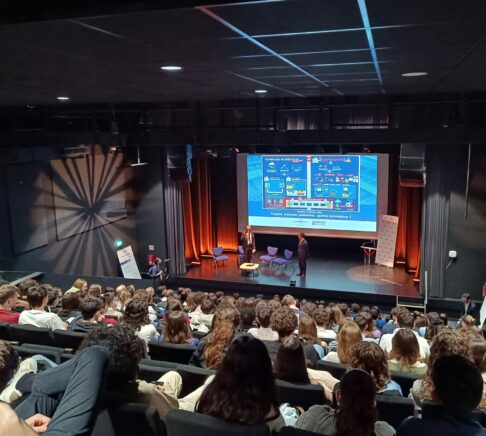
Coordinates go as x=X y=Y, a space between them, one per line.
x=308 y=334
x=203 y=320
x=405 y=321
x=136 y=317
x=8 y=299
x=377 y=318
x=243 y=390
x=447 y=342
x=264 y=332
x=355 y=309
x=349 y=335
x=70 y=307
x=290 y=302
x=284 y=322
x=468 y=322
x=91 y=315
x=290 y=363
x=212 y=348
x=323 y=319
x=369 y=357
x=355 y=413
x=337 y=317
x=391 y=325
x=177 y=331
x=247 y=318
x=37 y=316
x=54 y=296
x=194 y=302
x=110 y=315
x=95 y=290
x=79 y=285
x=148 y=297
x=124 y=296
x=111 y=303
x=122 y=385
x=420 y=325
x=405 y=353
x=63 y=400
x=365 y=323
x=477 y=355
x=458 y=388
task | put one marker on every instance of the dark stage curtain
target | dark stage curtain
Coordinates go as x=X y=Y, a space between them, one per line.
x=408 y=208
x=210 y=207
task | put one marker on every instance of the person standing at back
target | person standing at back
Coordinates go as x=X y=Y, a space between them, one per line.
x=302 y=253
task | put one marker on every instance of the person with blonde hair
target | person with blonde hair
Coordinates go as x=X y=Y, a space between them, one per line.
x=405 y=353
x=349 y=335
x=79 y=285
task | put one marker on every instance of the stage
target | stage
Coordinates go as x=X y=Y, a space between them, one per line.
x=328 y=279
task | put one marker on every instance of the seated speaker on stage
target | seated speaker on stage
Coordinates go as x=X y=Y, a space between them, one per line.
x=248 y=243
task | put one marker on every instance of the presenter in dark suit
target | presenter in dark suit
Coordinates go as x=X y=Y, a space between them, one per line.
x=302 y=253
x=469 y=308
x=248 y=242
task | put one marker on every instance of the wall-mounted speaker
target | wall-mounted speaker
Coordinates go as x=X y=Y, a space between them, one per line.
x=412 y=165
x=179 y=163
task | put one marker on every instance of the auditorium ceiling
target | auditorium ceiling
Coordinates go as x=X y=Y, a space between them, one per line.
x=300 y=48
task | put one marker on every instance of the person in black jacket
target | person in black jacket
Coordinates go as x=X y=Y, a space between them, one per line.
x=302 y=253
x=468 y=307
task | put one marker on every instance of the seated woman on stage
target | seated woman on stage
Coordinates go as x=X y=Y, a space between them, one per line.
x=355 y=411
x=349 y=335
x=243 y=390
x=176 y=330
x=369 y=357
x=405 y=353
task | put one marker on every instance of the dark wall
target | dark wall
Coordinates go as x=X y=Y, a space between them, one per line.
x=91 y=252
x=467 y=220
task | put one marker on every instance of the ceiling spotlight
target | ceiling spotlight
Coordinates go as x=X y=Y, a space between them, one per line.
x=415 y=74
x=171 y=68
x=63 y=98
x=260 y=91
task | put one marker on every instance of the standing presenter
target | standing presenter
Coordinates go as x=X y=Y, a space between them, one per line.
x=248 y=242
x=302 y=253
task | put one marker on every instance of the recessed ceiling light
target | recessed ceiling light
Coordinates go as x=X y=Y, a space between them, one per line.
x=415 y=74
x=63 y=98
x=171 y=68
x=260 y=91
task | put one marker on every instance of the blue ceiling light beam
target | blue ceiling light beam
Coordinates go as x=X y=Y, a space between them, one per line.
x=304 y=53
x=366 y=23
x=265 y=84
x=263 y=46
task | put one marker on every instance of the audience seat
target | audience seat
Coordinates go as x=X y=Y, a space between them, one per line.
x=301 y=395
x=150 y=372
x=183 y=423
x=394 y=409
x=31 y=335
x=128 y=419
x=292 y=431
x=29 y=350
x=198 y=335
x=5 y=331
x=336 y=369
x=405 y=380
x=178 y=353
x=66 y=339
x=192 y=377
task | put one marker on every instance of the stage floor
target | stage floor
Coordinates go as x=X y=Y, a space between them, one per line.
x=324 y=276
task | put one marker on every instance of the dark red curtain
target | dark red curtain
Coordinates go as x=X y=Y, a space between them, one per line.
x=210 y=207
x=408 y=209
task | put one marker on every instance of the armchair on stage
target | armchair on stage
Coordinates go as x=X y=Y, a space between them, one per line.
x=218 y=256
x=283 y=261
x=270 y=256
x=241 y=255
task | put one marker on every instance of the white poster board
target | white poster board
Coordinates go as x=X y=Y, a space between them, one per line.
x=387 y=239
x=128 y=263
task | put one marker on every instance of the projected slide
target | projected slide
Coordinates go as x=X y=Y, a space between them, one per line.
x=334 y=192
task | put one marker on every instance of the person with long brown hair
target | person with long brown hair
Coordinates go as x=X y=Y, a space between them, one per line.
x=212 y=348
x=308 y=334
x=176 y=330
x=290 y=363
x=349 y=335
x=369 y=357
x=243 y=390
x=405 y=353
x=355 y=413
